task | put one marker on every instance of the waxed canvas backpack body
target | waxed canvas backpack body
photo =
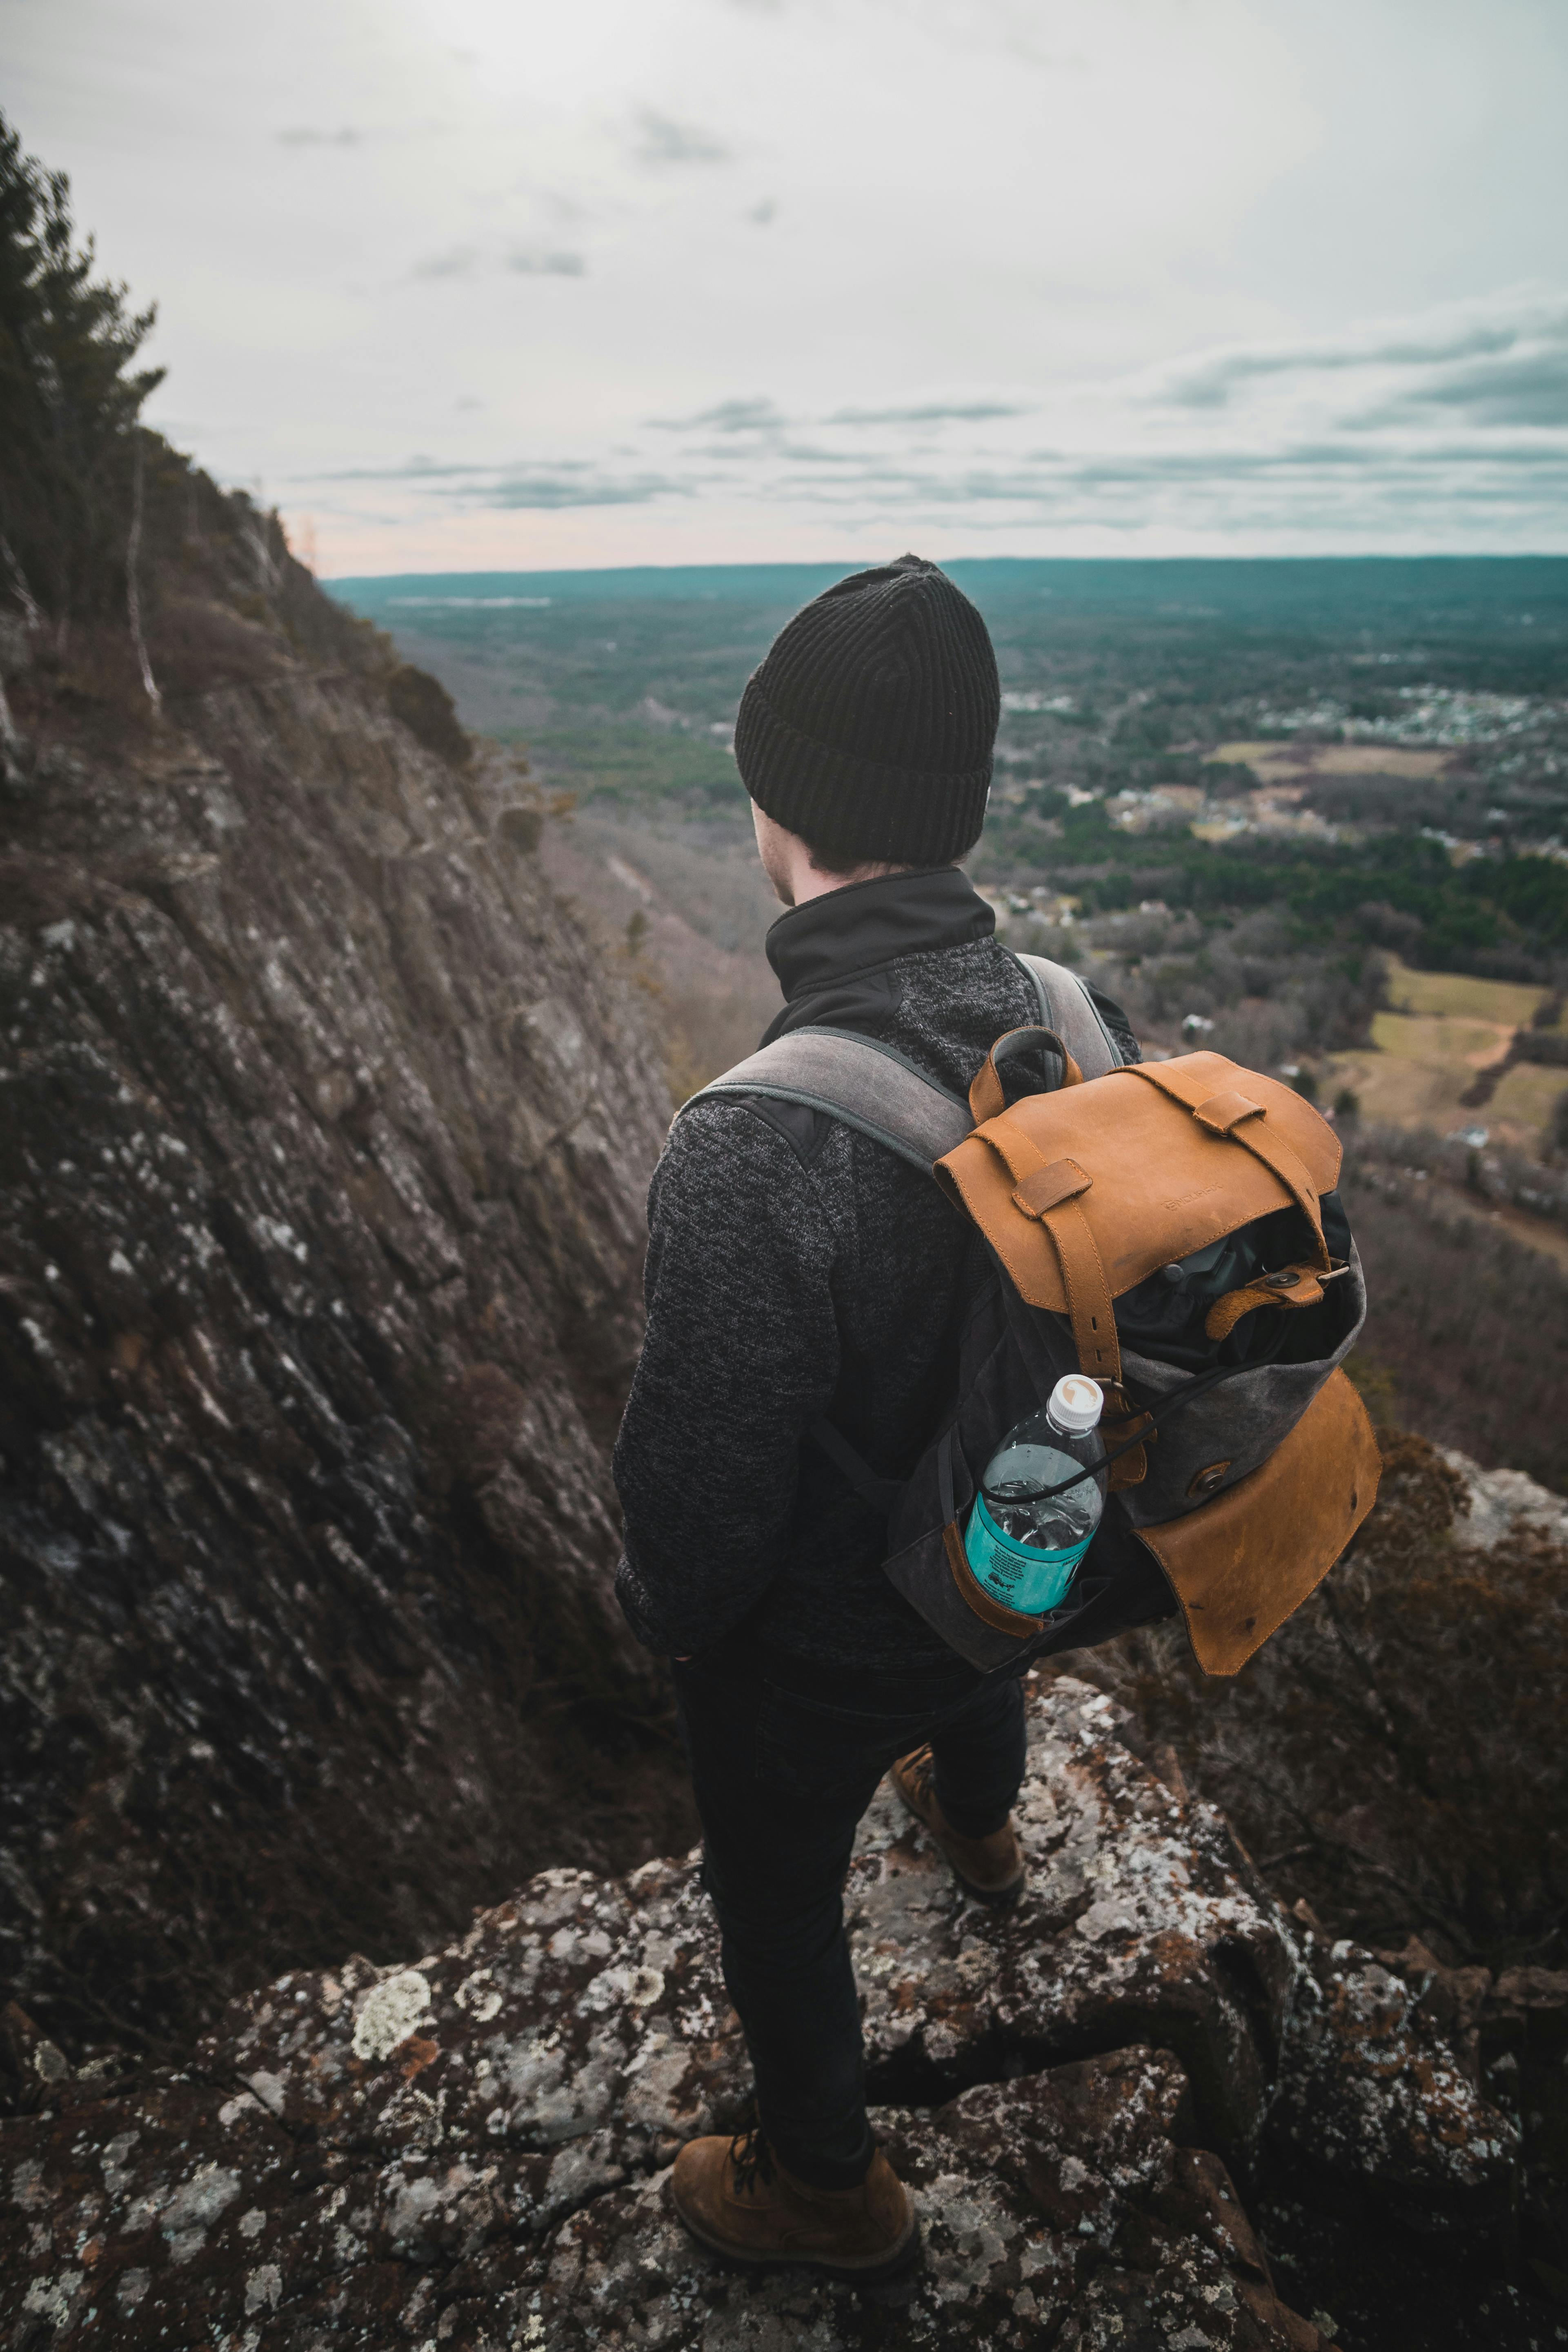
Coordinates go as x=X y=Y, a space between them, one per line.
x=1170 y=1229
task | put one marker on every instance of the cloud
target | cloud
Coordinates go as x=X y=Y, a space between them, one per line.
x=1209 y=382
x=525 y=261
x=548 y=489
x=304 y=136
x=1334 y=488
x=530 y=262
x=1321 y=485
x=1528 y=389
x=568 y=482
x=755 y=416
x=934 y=412
x=764 y=213
x=759 y=414
x=659 y=139
x=458 y=261
x=1350 y=443
x=418 y=467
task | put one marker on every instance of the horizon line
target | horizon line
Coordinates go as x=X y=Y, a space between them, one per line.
x=821 y=563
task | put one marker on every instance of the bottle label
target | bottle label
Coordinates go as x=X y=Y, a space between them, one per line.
x=1016 y=1574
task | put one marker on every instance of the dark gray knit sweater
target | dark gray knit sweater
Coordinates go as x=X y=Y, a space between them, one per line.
x=797 y=1268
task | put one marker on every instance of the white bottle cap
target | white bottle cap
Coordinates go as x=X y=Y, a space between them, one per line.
x=1074 y=1404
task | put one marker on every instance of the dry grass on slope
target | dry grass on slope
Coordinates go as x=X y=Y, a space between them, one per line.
x=1467 y=1334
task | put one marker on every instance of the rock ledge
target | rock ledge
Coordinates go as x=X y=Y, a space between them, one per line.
x=471 y=2152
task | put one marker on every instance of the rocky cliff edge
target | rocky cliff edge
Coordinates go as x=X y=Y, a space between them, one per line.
x=471 y=2150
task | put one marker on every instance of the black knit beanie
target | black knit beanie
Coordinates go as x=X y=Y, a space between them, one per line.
x=869 y=726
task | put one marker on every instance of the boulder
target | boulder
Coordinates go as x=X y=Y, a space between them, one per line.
x=1378 y=2094
x=1142 y=1919
x=1495 y=1503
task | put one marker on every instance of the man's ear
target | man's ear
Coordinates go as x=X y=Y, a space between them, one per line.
x=780 y=854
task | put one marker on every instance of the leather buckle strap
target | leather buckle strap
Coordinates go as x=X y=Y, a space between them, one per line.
x=1267 y=1144
x=1052 y=1194
x=1292 y=1285
x=1047 y=1187
x=1234 y=1118
x=1223 y=1114
x=1121 y=1423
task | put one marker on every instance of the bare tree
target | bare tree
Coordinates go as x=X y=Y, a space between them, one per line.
x=20 y=588
x=132 y=584
x=10 y=741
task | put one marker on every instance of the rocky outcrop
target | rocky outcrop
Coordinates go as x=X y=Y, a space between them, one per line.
x=323 y=1134
x=1380 y=2096
x=1495 y=1506
x=471 y=2150
x=1393 y=1756
x=1394 y=1761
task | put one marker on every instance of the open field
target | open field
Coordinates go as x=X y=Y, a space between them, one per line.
x=1540 y=1234
x=1294 y=763
x=1459 y=996
x=1444 y=1028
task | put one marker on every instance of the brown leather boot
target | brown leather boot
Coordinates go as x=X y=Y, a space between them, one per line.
x=738 y=2198
x=993 y=1868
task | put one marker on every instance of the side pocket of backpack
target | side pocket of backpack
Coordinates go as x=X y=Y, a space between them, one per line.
x=935 y=1578
x=1244 y=1562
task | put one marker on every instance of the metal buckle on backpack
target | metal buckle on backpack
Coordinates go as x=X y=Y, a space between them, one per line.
x=1289 y=1276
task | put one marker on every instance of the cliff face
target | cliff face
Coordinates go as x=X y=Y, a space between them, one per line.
x=323 y=1134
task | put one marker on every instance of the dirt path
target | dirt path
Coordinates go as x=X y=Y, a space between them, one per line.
x=1542 y=1233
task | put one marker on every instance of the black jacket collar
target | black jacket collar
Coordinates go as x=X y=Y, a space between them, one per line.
x=829 y=953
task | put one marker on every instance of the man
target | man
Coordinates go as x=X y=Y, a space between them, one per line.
x=798 y=1269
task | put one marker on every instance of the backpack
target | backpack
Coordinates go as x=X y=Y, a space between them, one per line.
x=1173 y=1230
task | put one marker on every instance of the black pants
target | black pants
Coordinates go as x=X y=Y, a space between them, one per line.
x=781 y=1782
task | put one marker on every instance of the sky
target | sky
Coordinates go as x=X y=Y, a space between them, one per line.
x=527 y=284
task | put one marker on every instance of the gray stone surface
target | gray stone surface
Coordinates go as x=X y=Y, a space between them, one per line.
x=1501 y=1500
x=471 y=2149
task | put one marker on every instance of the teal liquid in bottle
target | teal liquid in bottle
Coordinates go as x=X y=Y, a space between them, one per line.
x=1023 y=1543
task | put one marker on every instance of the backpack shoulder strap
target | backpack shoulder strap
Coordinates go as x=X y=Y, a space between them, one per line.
x=877 y=1091
x=861 y=1084
x=1067 y=1006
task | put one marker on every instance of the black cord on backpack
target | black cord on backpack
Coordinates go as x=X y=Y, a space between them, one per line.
x=1199 y=1385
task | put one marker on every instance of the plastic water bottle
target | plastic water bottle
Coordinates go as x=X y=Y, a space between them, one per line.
x=1022 y=1542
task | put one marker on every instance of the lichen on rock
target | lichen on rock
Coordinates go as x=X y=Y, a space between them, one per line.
x=498 y=2174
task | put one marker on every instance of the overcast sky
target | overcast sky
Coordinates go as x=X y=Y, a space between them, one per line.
x=512 y=284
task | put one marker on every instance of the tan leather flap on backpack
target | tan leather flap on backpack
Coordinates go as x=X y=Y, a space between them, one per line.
x=1175 y=1155
x=1240 y=1565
